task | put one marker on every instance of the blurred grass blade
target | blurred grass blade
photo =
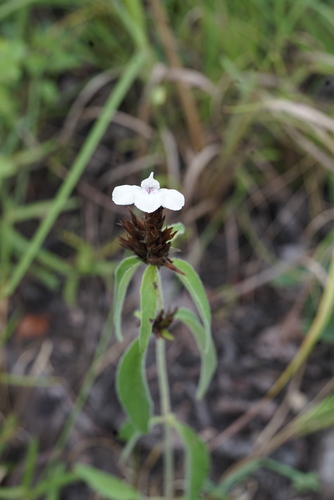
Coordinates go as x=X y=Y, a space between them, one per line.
x=300 y=480
x=45 y=257
x=194 y=285
x=236 y=477
x=12 y=165
x=317 y=418
x=209 y=357
x=11 y=6
x=132 y=387
x=55 y=482
x=51 y=486
x=12 y=493
x=27 y=380
x=132 y=16
x=148 y=304
x=37 y=210
x=303 y=112
x=85 y=154
x=197 y=460
x=320 y=321
x=107 y=485
x=30 y=464
x=123 y=275
x=9 y=429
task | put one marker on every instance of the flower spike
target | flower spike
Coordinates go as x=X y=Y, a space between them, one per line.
x=148 y=240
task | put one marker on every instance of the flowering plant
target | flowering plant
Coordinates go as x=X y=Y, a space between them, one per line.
x=151 y=244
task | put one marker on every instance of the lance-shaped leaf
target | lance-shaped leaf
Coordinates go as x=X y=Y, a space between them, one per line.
x=148 y=304
x=208 y=355
x=123 y=275
x=197 y=460
x=194 y=285
x=132 y=387
x=107 y=485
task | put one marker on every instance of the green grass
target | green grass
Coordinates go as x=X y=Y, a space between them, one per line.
x=270 y=129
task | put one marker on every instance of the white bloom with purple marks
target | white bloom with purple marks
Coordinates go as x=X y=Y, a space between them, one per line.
x=148 y=197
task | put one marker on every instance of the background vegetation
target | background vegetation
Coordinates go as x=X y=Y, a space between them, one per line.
x=229 y=102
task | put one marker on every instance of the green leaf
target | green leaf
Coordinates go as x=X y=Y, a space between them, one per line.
x=179 y=227
x=235 y=477
x=132 y=387
x=291 y=277
x=208 y=355
x=123 y=275
x=107 y=485
x=127 y=431
x=195 y=287
x=49 y=488
x=318 y=417
x=300 y=480
x=197 y=460
x=148 y=304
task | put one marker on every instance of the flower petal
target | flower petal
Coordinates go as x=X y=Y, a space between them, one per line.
x=172 y=199
x=150 y=182
x=125 y=195
x=148 y=202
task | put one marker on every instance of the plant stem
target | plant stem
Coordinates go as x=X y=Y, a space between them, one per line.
x=165 y=410
x=165 y=405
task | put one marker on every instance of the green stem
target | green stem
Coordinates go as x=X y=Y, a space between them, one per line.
x=85 y=154
x=165 y=407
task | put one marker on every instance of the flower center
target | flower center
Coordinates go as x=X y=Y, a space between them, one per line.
x=150 y=190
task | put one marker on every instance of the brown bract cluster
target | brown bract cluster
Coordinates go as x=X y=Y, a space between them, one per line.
x=148 y=240
x=162 y=322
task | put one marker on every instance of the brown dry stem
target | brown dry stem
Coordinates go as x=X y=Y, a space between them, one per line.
x=185 y=95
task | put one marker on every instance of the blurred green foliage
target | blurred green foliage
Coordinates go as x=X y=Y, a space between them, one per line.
x=253 y=52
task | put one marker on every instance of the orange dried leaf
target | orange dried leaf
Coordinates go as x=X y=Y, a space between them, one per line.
x=33 y=325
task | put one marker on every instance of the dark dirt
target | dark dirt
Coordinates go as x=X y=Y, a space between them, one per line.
x=254 y=345
x=249 y=363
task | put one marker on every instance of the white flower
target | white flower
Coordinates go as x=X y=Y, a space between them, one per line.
x=149 y=197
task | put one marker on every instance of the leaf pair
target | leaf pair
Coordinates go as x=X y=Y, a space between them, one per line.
x=132 y=385
x=148 y=296
x=131 y=378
